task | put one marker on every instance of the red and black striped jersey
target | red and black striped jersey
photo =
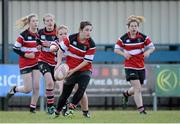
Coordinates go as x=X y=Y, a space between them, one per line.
x=26 y=43
x=77 y=52
x=45 y=54
x=135 y=47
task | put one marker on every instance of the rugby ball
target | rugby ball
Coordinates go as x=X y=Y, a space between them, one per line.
x=61 y=72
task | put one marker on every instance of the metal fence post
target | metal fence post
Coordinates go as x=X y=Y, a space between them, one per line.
x=154 y=101
x=42 y=103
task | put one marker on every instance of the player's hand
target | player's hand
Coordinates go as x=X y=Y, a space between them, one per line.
x=29 y=55
x=39 y=47
x=46 y=43
x=146 y=54
x=70 y=72
x=53 y=48
x=127 y=55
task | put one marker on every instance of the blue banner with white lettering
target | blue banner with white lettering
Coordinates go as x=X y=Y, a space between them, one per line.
x=10 y=76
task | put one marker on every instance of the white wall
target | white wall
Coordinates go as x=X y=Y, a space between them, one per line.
x=162 y=22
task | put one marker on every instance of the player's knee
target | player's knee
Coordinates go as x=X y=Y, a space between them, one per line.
x=27 y=89
x=138 y=89
x=36 y=89
x=81 y=90
x=50 y=85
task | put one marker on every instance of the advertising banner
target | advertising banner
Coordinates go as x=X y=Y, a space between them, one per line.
x=110 y=79
x=168 y=80
x=10 y=76
x=107 y=79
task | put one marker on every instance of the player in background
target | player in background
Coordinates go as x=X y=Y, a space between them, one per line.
x=47 y=59
x=134 y=46
x=80 y=50
x=62 y=33
x=26 y=47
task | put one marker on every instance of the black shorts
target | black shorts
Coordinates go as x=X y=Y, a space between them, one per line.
x=78 y=77
x=45 y=67
x=132 y=74
x=29 y=69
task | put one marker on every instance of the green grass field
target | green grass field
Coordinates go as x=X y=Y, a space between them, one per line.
x=96 y=117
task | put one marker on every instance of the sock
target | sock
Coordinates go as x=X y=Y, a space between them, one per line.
x=141 y=109
x=85 y=112
x=71 y=106
x=32 y=107
x=14 y=89
x=50 y=97
x=126 y=93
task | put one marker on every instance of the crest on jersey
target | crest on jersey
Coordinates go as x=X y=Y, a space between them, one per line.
x=85 y=47
x=127 y=41
x=43 y=37
x=29 y=38
x=53 y=37
x=74 y=43
x=139 y=40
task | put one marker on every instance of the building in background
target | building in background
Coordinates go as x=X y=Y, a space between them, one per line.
x=162 y=22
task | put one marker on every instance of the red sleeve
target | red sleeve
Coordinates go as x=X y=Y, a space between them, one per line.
x=147 y=41
x=120 y=43
x=66 y=42
x=20 y=39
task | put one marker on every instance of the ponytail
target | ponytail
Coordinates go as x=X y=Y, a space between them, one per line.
x=22 y=22
x=133 y=18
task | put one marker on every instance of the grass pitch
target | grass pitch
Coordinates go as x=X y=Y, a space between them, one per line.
x=96 y=117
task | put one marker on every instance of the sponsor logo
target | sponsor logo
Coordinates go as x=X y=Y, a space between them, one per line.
x=167 y=80
x=43 y=37
x=29 y=38
x=75 y=43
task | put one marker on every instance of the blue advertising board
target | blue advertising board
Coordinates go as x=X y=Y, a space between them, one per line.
x=10 y=76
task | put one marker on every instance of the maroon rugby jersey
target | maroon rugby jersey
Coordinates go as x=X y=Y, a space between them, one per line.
x=26 y=43
x=135 y=47
x=45 y=54
x=77 y=52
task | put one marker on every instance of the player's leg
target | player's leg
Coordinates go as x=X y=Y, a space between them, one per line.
x=126 y=95
x=68 y=86
x=46 y=70
x=142 y=76
x=26 y=76
x=138 y=95
x=83 y=81
x=49 y=92
x=84 y=103
x=35 y=94
x=130 y=74
x=60 y=88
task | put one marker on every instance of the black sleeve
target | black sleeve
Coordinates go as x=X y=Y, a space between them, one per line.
x=38 y=41
x=18 y=51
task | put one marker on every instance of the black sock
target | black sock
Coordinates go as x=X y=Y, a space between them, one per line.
x=32 y=107
x=85 y=112
x=141 y=109
x=126 y=94
x=14 y=89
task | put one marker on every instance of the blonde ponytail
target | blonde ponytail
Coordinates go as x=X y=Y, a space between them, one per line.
x=22 y=22
x=140 y=18
x=133 y=18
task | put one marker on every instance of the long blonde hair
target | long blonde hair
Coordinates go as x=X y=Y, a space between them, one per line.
x=24 y=21
x=133 y=18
